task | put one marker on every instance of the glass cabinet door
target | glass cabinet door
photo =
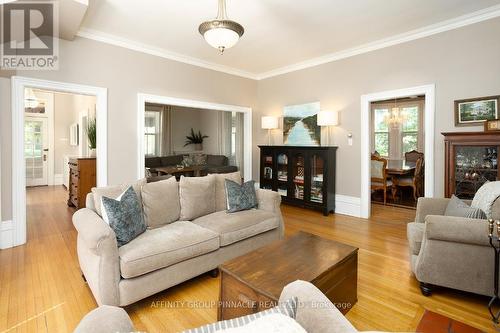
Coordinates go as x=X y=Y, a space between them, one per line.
x=298 y=176
x=283 y=174
x=474 y=165
x=317 y=169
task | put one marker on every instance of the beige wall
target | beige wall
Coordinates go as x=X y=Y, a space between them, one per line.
x=124 y=73
x=462 y=63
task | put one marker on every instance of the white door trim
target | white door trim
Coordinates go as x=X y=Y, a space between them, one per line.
x=18 y=85
x=429 y=112
x=142 y=99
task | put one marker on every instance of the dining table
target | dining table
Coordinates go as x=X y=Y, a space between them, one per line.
x=396 y=169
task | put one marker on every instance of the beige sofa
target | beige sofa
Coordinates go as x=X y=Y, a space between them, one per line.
x=167 y=255
x=315 y=313
x=447 y=251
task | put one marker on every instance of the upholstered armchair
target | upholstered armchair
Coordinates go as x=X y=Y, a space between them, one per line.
x=448 y=251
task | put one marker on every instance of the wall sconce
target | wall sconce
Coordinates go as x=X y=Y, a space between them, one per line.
x=328 y=119
x=269 y=123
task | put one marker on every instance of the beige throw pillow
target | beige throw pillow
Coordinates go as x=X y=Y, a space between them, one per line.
x=160 y=202
x=197 y=196
x=220 y=188
x=114 y=192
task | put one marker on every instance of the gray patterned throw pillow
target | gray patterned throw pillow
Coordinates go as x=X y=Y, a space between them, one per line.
x=240 y=197
x=457 y=207
x=124 y=216
x=287 y=308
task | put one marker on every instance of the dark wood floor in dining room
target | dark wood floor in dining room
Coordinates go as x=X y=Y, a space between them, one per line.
x=41 y=289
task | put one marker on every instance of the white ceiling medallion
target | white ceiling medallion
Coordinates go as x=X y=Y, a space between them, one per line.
x=221 y=32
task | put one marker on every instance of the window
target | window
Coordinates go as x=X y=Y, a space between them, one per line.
x=152 y=133
x=381 y=131
x=409 y=134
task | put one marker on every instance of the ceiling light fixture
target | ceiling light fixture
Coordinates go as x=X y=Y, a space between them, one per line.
x=221 y=32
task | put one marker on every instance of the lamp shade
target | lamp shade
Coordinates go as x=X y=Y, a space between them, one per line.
x=328 y=118
x=269 y=122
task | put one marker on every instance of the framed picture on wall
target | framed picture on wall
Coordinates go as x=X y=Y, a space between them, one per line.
x=300 y=125
x=475 y=111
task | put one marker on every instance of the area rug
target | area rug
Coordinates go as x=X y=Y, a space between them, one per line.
x=432 y=322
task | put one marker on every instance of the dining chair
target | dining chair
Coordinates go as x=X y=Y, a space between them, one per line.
x=413 y=156
x=416 y=181
x=379 y=179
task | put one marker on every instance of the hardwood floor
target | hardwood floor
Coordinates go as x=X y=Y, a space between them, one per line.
x=41 y=289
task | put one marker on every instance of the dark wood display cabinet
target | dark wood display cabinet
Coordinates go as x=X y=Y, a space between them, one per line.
x=304 y=176
x=471 y=159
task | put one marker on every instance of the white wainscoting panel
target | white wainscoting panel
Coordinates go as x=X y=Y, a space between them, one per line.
x=6 y=234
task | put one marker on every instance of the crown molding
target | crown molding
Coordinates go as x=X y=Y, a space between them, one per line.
x=451 y=24
x=160 y=52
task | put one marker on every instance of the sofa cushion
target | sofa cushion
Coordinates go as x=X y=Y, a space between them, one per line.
x=197 y=196
x=234 y=227
x=165 y=246
x=114 y=192
x=220 y=188
x=171 y=160
x=217 y=160
x=415 y=233
x=160 y=201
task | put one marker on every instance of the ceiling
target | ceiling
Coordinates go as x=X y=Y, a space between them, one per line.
x=278 y=33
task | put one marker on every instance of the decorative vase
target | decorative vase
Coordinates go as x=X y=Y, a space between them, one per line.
x=198 y=146
x=92 y=152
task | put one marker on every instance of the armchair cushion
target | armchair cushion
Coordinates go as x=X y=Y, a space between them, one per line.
x=165 y=246
x=430 y=206
x=457 y=207
x=234 y=227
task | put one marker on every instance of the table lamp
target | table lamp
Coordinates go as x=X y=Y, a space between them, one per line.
x=328 y=119
x=269 y=123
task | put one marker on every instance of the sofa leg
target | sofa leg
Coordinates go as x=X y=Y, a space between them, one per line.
x=84 y=279
x=214 y=272
x=426 y=289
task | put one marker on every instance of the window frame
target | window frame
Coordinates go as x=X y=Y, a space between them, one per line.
x=156 y=134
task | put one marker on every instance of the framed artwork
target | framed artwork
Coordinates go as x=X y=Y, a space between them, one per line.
x=475 y=111
x=492 y=125
x=300 y=127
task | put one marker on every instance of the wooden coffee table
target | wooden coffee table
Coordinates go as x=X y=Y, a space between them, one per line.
x=254 y=281
x=195 y=170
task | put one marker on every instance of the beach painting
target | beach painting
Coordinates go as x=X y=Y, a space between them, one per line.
x=300 y=126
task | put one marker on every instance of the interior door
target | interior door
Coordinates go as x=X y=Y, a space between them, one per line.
x=36 y=151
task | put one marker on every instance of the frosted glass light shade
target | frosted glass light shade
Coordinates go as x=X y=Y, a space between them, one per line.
x=328 y=118
x=221 y=38
x=269 y=122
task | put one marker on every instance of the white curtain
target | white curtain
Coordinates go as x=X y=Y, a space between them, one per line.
x=166 y=130
x=239 y=141
x=225 y=128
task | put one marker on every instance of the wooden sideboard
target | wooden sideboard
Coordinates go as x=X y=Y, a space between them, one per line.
x=304 y=176
x=82 y=177
x=471 y=159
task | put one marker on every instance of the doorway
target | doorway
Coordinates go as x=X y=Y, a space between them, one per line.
x=32 y=157
x=367 y=140
x=219 y=115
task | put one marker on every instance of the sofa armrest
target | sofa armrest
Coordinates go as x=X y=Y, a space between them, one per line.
x=91 y=228
x=457 y=229
x=315 y=313
x=269 y=200
x=98 y=256
x=430 y=206
x=105 y=319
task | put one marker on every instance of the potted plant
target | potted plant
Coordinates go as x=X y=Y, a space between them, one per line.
x=195 y=139
x=92 y=136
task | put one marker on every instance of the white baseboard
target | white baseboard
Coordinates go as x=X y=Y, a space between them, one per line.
x=347 y=205
x=6 y=234
x=58 y=179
